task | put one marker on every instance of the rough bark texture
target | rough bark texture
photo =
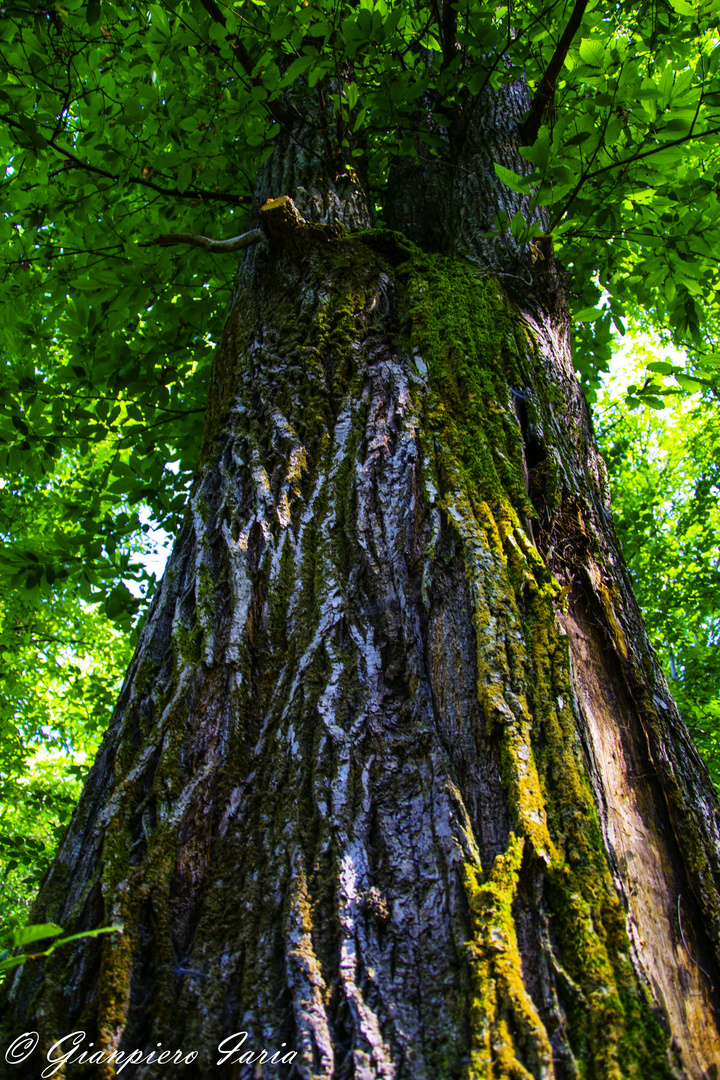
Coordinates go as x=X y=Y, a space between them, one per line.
x=448 y=202
x=395 y=779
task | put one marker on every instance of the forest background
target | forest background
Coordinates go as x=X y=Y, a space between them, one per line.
x=94 y=460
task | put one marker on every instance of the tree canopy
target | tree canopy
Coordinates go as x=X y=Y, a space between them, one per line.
x=125 y=122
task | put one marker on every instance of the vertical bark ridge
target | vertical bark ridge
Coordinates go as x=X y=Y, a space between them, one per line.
x=639 y=752
x=522 y=696
x=308 y=165
x=344 y=803
x=448 y=200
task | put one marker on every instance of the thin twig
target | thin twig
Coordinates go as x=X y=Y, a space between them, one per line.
x=216 y=247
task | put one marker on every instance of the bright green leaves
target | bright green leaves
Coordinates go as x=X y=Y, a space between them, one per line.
x=517 y=224
x=29 y=935
x=683 y=7
x=539 y=152
x=61 y=666
x=630 y=170
x=699 y=11
x=592 y=52
x=665 y=472
x=692 y=383
x=677 y=377
x=352 y=93
x=166 y=113
x=511 y=179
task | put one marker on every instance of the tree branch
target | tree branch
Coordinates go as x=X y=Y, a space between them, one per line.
x=213 y=11
x=275 y=108
x=78 y=163
x=449 y=30
x=216 y=247
x=625 y=162
x=545 y=91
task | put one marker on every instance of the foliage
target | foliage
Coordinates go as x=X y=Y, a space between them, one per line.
x=665 y=473
x=62 y=655
x=125 y=122
x=62 y=667
x=62 y=663
x=27 y=935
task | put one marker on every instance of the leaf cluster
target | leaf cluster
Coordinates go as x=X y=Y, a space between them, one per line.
x=665 y=476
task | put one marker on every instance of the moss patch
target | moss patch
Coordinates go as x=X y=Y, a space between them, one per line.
x=509 y=1041
x=474 y=346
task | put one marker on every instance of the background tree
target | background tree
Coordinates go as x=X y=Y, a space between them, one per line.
x=63 y=656
x=394 y=776
x=664 y=466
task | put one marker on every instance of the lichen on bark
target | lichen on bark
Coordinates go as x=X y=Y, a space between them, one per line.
x=346 y=801
x=470 y=320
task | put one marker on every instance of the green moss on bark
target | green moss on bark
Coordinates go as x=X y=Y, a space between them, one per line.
x=475 y=346
x=509 y=1041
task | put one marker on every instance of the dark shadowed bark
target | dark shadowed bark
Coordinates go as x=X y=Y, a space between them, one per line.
x=395 y=784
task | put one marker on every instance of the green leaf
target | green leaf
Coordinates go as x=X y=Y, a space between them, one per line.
x=318 y=73
x=90 y=934
x=352 y=94
x=184 y=176
x=613 y=130
x=589 y=314
x=8 y=963
x=297 y=68
x=691 y=382
x=517 y=225
x=132 y=111
x=686 y=9
x=159 y=18
x=641 y=196
x=661 y=367
x=592 y=52
x=539 y=152
x=27 y=934
x=511 y=179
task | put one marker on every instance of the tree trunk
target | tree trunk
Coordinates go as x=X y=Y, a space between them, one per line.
x=395 y=784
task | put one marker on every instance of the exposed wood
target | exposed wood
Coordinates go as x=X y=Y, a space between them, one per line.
x=280 y=219
x=647 y=864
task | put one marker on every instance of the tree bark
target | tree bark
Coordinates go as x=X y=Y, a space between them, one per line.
x=395 y=784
